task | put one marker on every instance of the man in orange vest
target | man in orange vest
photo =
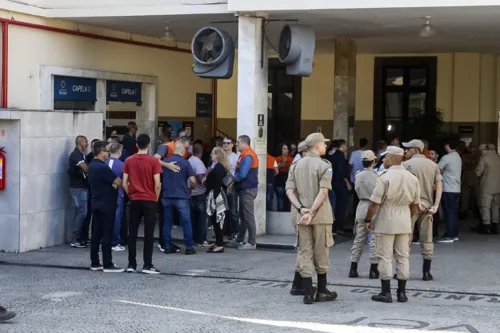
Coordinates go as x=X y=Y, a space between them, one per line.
x=247 y=181
x=272 y=171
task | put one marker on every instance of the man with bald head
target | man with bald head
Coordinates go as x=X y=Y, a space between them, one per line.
x=395 y=199
x=488 y=171
x=79 y=188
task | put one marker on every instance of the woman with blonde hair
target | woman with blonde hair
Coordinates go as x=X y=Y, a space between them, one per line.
x=216 y=199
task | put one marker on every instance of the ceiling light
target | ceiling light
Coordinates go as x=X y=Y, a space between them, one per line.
x=427 y=30
x=168 y=35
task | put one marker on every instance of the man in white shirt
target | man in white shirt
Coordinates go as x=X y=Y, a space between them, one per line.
x=302 y=151
x=451 y=169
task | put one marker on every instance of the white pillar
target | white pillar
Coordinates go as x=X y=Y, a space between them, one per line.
x=252 y=102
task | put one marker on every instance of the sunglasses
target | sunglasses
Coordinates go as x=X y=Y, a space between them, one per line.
x=227 y=143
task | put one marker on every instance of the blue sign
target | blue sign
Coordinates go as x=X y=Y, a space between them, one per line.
x=68 y=88
x=123 y=91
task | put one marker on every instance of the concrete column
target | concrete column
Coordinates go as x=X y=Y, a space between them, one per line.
x=344 y=90
x=252 y=102
x=147 y=117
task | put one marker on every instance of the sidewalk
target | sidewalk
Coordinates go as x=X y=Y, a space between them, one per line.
x=277 y=242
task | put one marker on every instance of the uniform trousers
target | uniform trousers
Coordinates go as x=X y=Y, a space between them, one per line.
x=386 y=246
x=490 y=208
x=314 y=242
x=360 y=241
x=423 y=221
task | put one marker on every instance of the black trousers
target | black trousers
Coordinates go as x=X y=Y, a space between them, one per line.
x=219 y=234
x=232 y=220
x=138 y=210
x=161 y=220
x=102 y=233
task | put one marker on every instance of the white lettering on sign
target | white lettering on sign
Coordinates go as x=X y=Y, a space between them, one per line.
x=82 y=89
x=128 y=91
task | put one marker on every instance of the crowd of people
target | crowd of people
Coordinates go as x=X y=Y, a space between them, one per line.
x=397 y=193
x=119 y=184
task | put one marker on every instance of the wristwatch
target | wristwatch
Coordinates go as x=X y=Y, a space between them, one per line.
x=300 y=208
x=368 y=220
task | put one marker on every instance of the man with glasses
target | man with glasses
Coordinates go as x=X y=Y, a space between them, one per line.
x=104 y=186
x=232 y=223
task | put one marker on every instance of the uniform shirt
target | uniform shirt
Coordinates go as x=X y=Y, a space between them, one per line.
x=101 y=179
x=141 y=169
x=364 y=184
x=488 y=171
x=307 y=177
x=428 y=175
x=357 y=163
x=395 y=190
x=451 y=164
x=117 y=167
x=77 y=178
x=199 y=169
x=175 y=183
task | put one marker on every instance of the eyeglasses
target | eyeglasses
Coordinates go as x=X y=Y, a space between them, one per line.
x=227 y=143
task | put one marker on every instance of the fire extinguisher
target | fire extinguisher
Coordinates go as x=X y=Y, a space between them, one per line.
x=3 y=168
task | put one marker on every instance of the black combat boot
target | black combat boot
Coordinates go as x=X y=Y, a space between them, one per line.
x=353 y=273
x=385 y=295
x=484 y=229
x=297 y=289
x=307 y=284
x=323 y=294
x=426 y=269
x=402 y=298
x=374 y=274
x=494 y=228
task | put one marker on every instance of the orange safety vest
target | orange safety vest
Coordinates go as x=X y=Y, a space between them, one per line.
x=270 y=161
x=171 y=148
x=246 y=152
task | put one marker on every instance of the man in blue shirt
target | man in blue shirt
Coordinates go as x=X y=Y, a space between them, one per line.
x=104 y=188
x=176 y=197
x=129 y=141
x=116 y=166
x=246 y=177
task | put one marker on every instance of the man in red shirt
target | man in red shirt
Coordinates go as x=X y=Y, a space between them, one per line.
x=141 y=182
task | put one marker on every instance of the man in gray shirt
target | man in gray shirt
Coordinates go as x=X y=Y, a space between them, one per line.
x=451 y=169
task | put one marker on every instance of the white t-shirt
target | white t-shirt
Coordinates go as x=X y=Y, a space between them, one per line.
x=297 y=157
x=233 y=160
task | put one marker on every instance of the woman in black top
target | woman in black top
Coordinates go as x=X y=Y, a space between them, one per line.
x=214 y=182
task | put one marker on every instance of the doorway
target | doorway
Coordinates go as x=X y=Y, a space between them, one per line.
x=283 y=106
x=404 y=98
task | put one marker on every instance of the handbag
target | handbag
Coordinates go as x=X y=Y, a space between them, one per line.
x=228 y=180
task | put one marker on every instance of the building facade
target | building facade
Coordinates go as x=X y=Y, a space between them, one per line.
x=373 y=76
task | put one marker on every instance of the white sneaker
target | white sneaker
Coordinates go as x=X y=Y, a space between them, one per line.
x=247 y=246
x=161 y=249
x=118 y=248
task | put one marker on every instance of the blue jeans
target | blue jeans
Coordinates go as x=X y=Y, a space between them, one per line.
x=269 y=196
x=450 y=210
x=118 y=221
x=199 y=218
x=182 y=206
x=283 y=202
x=80 y=196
